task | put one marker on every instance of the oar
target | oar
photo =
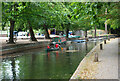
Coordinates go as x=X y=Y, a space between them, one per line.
x=61 y=48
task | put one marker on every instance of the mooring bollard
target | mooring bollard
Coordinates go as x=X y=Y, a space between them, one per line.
x=108 y=38
x=101 y=47
x=104 y=41
x=86 y=39
x=96 y=57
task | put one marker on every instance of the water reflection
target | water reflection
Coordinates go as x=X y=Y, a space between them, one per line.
x=95 y=43
x=86 y=46
x=9 y=68
x=45 y=65
x=13 y=68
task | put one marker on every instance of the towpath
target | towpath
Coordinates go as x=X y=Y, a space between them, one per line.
x=20 y=41
x=108 y=65
x=106 y=68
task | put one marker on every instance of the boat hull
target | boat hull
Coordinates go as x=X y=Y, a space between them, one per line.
x=52 y=49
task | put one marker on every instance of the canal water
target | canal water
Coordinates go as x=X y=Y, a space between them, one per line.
x=39 y=64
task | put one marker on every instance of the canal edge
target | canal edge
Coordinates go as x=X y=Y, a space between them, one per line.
x=76 y=73
x=22 y=48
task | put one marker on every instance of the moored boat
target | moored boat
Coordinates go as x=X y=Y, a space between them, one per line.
x=59 y=40
x=78 y=41
x=53 y=47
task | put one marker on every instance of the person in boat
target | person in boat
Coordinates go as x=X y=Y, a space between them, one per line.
x=53 y=46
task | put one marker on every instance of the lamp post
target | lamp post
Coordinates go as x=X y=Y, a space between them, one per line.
x=105 y=22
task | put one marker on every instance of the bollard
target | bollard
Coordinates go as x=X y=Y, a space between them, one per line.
x=108 y=39
x=86 y=39
x=104 y=41
x=101 y=47
x=96 y=57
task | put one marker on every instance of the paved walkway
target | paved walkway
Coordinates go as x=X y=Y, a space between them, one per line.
x=119 y=59
x=20 y=41
x=108 y=65
x=104 y=70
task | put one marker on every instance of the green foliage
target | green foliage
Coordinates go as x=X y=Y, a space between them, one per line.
x=60 y=15
x=113 y=17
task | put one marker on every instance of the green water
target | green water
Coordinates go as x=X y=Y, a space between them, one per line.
x=39 y=64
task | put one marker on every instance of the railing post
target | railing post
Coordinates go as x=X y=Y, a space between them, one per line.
x=101 y=47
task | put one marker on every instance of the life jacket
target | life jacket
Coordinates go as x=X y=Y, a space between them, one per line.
x=48 y=47
x=56 y=45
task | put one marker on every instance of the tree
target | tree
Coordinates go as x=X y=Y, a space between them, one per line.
x=28 y=19
x=10 y=12
x=113 y=15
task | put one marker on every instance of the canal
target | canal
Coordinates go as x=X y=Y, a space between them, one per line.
x=39 y=64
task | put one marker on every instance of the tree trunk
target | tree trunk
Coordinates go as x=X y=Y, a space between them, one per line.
x=67 y=31
x=47 y=36
x=109 y=32
x=86 y=35
x=95 y=31
x=11 y=40
x=32 y=38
